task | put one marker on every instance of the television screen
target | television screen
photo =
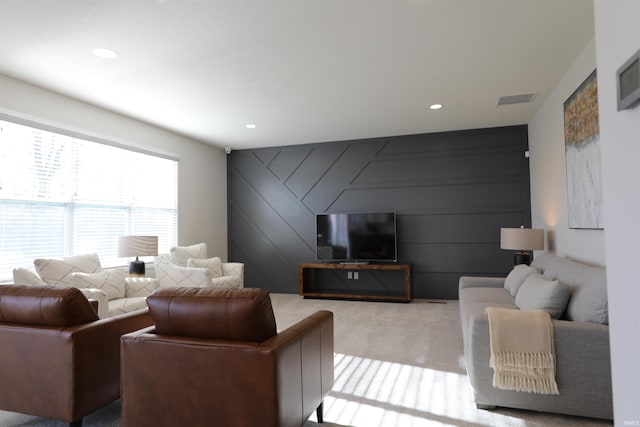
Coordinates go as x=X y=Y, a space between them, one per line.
x=356 y=237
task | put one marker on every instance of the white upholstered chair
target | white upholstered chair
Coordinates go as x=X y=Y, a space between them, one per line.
x=189 y=266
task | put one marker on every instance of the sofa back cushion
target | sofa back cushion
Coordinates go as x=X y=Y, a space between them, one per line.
x=587 y=285
x=58 y=271
x=224 y=314
x=45 y=306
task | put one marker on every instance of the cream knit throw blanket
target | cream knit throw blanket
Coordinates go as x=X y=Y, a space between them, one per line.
x=522 y=350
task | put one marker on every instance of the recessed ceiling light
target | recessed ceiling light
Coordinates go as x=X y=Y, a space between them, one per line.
x=436 y=106
x=250 y=126
x=104 y=53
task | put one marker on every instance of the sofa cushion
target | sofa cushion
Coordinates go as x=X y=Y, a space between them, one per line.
x=517 y=276
x=58 y=271
x=225 y=314
x=213 y=264
x=110 y=281
x=45 y=306
x=587 y=285
x=538 y=293
x=140 y=286
x=181 y=254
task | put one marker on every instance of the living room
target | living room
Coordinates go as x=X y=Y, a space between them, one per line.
x=204 y=176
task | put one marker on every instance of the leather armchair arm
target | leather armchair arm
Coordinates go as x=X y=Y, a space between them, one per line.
x=314 y=337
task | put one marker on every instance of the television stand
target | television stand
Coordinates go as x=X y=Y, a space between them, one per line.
x=371 y=282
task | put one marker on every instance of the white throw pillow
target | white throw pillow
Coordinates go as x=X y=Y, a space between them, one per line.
x=140 y=286
x=516 y=278
x=58 y=271
x=22 y=276
x=181 y=254
x=110 y=281
x=213 y=264
x=538 y=293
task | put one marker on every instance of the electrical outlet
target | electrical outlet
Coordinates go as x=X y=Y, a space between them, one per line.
x=355 y=275
x=349 y=275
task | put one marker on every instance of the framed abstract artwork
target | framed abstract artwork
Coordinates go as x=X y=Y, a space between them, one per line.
x=582 y=155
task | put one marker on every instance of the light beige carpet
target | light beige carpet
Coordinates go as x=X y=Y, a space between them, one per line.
x=396 y=365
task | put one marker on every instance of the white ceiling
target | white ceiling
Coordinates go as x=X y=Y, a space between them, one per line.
x=303 y=71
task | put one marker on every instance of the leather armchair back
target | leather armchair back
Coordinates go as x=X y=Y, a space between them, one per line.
x=224 y=314
x=45 y=306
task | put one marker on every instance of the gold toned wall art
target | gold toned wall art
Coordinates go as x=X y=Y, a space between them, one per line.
x=582 y=155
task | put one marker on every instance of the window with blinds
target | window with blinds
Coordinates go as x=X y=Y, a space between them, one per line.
x=62 y=196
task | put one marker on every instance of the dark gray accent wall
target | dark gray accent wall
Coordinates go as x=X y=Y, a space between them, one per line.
x=452 y=192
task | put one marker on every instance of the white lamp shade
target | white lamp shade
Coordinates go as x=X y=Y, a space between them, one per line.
x=130 y=246
x=522 y=239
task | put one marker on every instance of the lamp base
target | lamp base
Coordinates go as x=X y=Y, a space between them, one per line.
x=522 y=258
x=136 y=268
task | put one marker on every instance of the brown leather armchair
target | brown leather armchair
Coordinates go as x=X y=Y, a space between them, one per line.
x=57 y=358
x=214 y=357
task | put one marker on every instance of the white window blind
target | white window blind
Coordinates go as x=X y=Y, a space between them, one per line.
x=62 y=196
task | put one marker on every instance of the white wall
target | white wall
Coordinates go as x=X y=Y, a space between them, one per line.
x=617 y=38
x=202 y=168
x=548 y=172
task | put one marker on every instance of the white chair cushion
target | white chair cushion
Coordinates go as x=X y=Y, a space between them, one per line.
x=58 y=271
x=140 y=286
x=170 y=274
x=181 y=254
x=110 y=281
x=126 y=305
x=226 y=282
x=213 y=264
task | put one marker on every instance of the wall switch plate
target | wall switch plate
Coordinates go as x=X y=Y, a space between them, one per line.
x=355 y=275
x=349 y=275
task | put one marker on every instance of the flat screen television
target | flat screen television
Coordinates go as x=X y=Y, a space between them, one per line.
x=356 y=237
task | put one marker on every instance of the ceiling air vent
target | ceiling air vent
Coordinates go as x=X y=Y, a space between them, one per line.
x=516 y=99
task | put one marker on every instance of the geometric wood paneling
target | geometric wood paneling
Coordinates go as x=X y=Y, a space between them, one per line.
x=451 y=191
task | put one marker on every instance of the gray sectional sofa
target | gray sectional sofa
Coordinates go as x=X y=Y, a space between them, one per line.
x=583 y=367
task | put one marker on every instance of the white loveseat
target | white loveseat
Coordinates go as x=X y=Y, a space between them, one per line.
x=189 y=266
x=115 y=292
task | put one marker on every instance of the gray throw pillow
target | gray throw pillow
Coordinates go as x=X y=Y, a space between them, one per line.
x=516 y=278
x=538 y=293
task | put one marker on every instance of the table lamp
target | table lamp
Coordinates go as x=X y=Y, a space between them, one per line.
x=135 y=246
x=522 y=240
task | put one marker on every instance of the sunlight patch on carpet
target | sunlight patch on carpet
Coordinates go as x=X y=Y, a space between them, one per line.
x=369 y=392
